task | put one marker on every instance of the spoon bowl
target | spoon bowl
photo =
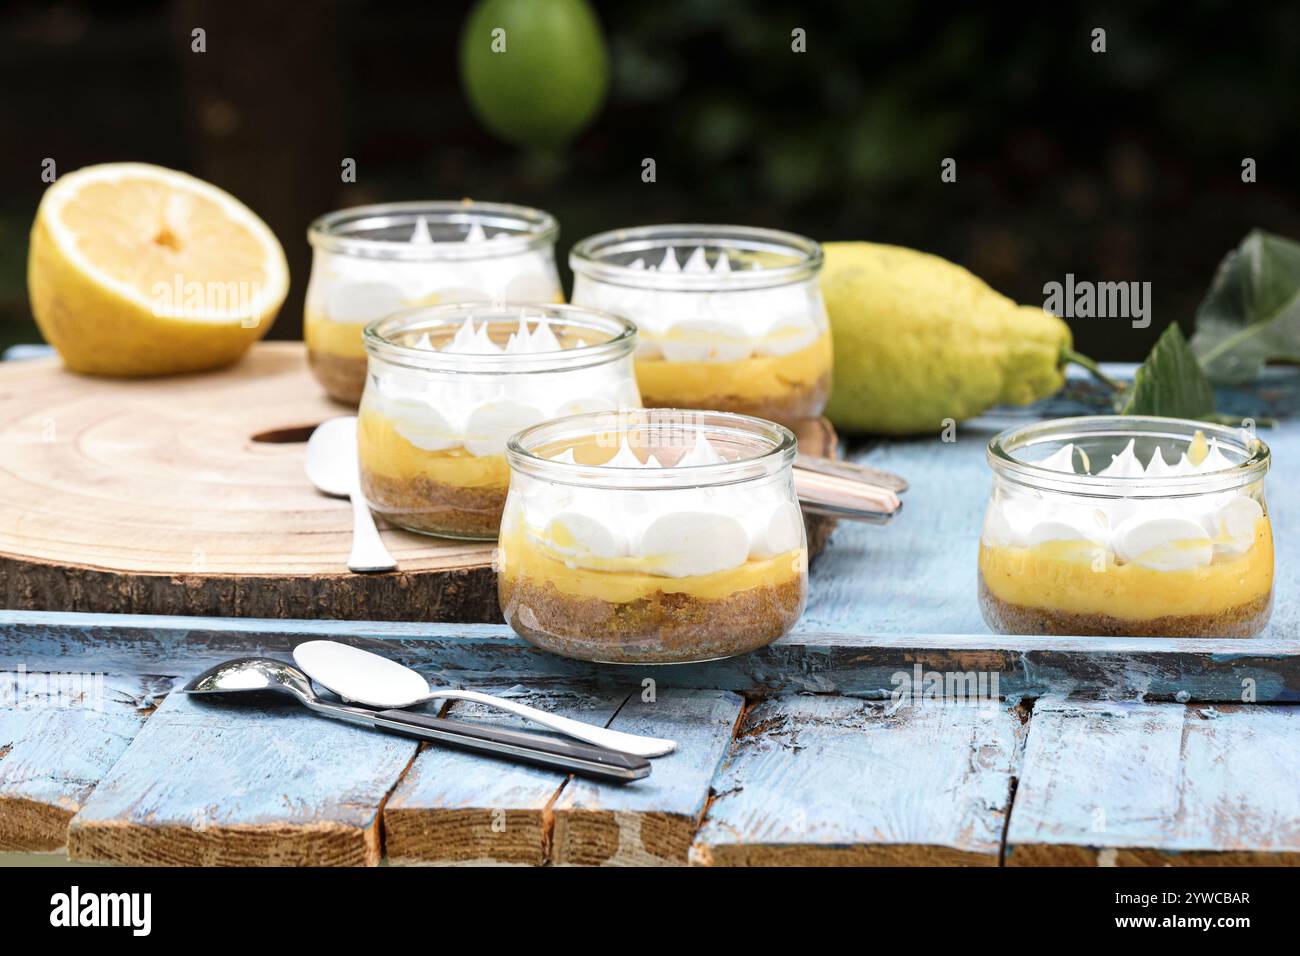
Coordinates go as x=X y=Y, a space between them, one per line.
x=252 y=675
x=332 y=456
x=331 y=466
x=377 y=681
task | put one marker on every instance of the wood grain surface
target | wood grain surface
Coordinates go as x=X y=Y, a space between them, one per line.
x=173 y=649
x=651 y=822
x=456 y=807
x=211 y=783
x=830 y=781
x=1136 y=784
x=186 y=495
x=800 y=779
x=59 y=735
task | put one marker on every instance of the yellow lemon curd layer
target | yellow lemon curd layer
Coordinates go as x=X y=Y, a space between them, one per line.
x=383 y=451
x=1062 y=576
x=756 y=377
x=626 y=579
x=325 y=336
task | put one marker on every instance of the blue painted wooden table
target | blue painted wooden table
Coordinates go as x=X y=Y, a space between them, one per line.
x=1107 y=751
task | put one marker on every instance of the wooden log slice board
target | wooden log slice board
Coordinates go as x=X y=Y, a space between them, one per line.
x=186 y=495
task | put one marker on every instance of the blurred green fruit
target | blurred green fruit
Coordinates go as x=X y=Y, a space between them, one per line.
x=543 y=78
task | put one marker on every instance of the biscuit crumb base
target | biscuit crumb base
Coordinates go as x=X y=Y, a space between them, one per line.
x=662 y=628
x=342 y=377
x=433 y=507
x=807 y=401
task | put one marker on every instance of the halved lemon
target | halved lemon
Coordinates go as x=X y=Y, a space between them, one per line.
x=139 y=270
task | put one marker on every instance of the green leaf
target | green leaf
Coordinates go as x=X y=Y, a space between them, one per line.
x=1252 y=312
x=1170 y=382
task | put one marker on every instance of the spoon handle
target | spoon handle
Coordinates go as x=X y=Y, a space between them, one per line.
x=596 y=762
x=368 y=551
x=600 y=736
x=852 y=471
x=843 y=497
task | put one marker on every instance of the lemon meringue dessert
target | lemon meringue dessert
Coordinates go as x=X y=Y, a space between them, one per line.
x=371 y=261
x=447 y=385
x=1127 y=526
x=730 y=317
x=661 y=536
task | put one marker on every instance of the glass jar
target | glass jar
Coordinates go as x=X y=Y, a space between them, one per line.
x=652 y=537
x=371 y=261
x=730 y=317
x=447 y=385
x=1134 y=526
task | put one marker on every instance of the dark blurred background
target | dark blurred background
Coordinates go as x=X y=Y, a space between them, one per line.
x=1117 y=166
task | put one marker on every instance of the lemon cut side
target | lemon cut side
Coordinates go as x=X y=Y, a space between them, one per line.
x=139 y=270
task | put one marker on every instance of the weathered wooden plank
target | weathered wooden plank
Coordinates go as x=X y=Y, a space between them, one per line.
x=654 y=821
x=833 y=781
x=1129 y=784
x=59 y=734
x=266 y=783
x=864 y=665
x=456 y=807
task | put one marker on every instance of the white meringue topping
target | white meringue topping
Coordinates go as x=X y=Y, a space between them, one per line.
x=671 y=532
x=420 y=234
x=1156 y=467
x=1170 y=534
x=696 y=262
x=471 y=339
x=1163 y=542
x=354 y=289
x=1060 y=460
x=711 y=324
x=1123 y=465
x=438 y=411
x=687 y=543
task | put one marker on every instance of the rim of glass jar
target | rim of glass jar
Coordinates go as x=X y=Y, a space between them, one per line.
x=377 y=337
x=588 y=257
x=328 y=231
x=778 y=456
x=1254 y=466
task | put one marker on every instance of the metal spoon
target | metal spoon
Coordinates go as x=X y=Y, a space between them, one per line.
x=366 y=678
x=332 y=468
x=254 y=674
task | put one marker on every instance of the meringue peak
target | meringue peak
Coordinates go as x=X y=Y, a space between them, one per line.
x=696 y=262
x=1156 y=467
x=1123 y=465
x=476 y=340
x=420 y=235
x=1215 y=459
x=1060 y=460
x=701 y=453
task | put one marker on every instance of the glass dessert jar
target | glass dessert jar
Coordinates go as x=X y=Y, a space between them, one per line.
x=447 y=385
x=652 y=537
x=371 y=261
x=730 y=318
x=1118 y=525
